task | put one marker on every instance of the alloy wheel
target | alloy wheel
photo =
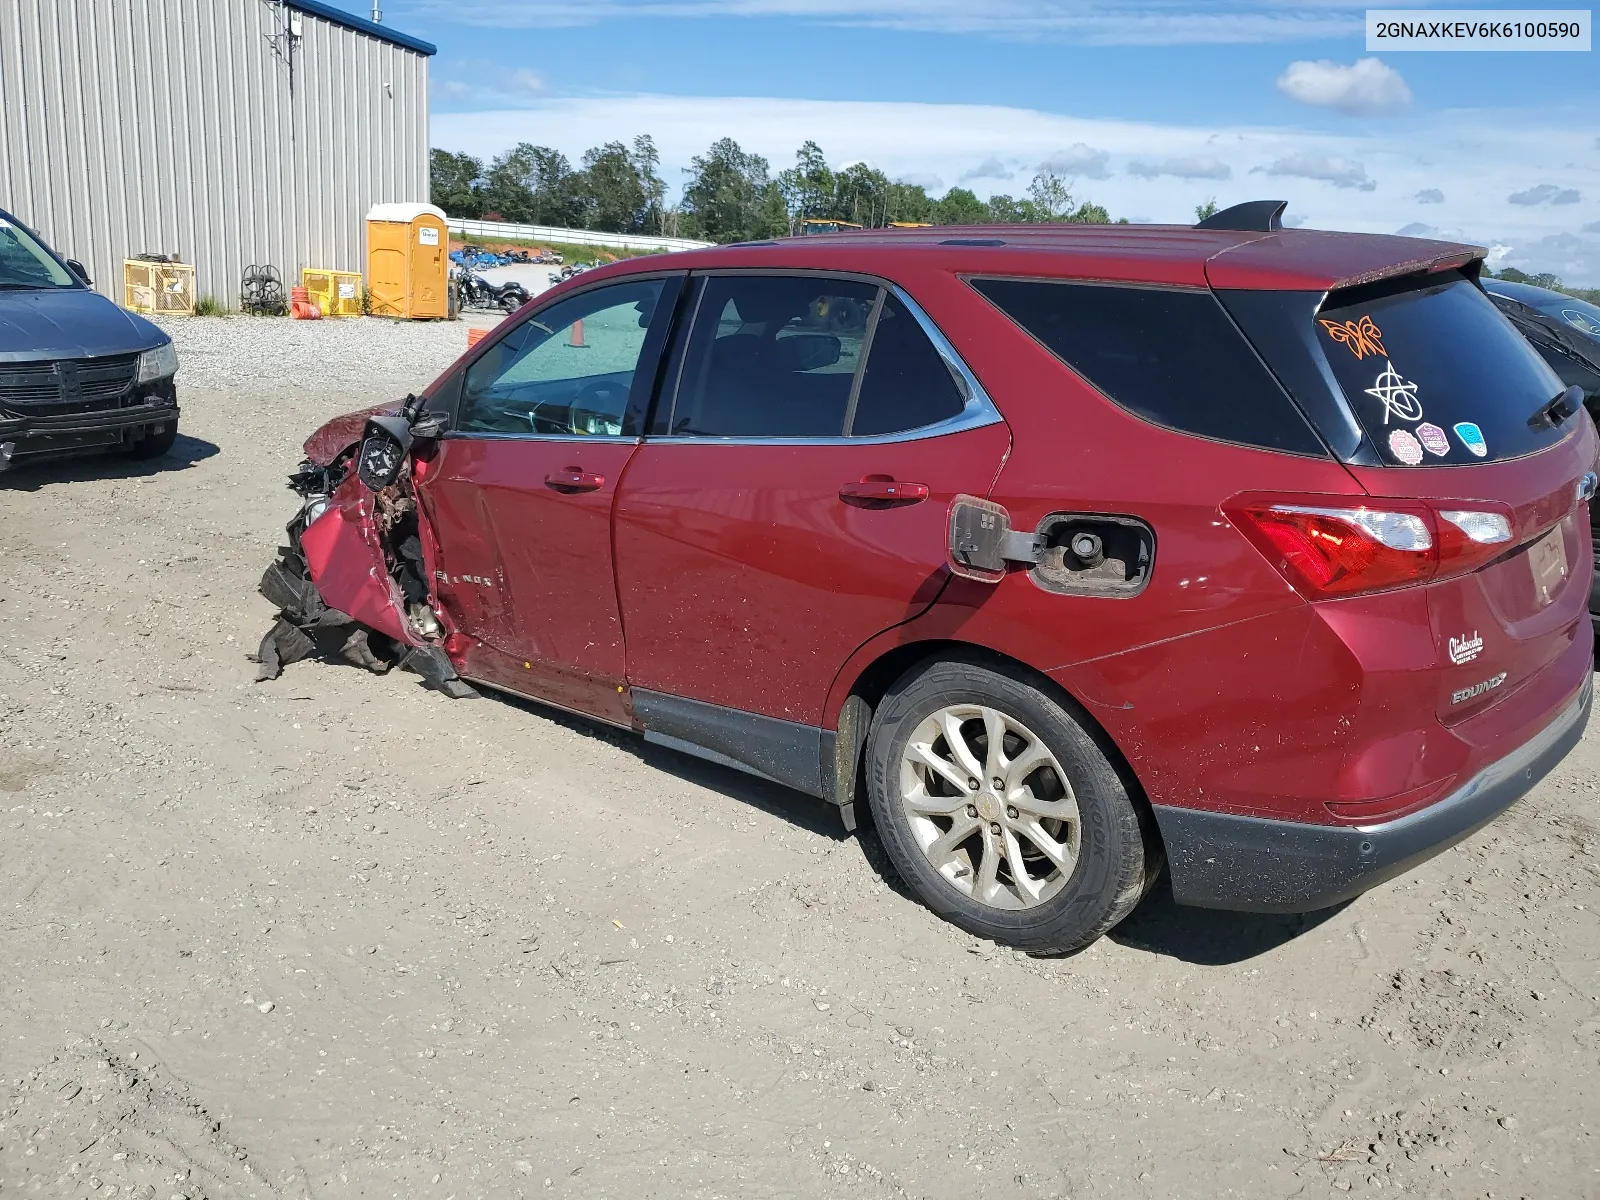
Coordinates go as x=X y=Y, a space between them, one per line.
x=990 y=806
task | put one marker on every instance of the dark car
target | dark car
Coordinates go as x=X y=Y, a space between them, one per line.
x=1065 y=549
x=76 y=372
x=1566 y=332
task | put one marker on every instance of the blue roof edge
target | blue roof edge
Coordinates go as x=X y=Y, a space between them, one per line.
x=361 y=25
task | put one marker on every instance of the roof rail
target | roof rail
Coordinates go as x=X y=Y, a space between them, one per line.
x=1253 y=216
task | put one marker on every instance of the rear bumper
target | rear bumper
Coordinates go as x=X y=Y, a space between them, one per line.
x=1253 y=864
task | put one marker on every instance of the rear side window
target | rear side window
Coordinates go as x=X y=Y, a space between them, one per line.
x=772 y=356
x=1436 y=375
x=1172 y=357
x=806 y=356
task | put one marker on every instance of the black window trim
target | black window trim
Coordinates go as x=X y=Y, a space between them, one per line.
x=977 y=411
x=657 y=341
x=969 y=277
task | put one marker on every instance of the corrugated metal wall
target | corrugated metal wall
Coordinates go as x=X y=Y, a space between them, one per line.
x=169 y=126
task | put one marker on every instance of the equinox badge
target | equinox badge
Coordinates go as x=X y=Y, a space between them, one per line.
x=1477 y=689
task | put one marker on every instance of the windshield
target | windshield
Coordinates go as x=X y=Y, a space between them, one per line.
x=1580 y=314
x=1437 y=375
x=24 y=263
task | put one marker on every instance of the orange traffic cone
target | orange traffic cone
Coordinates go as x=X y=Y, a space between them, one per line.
x=577 y=341
x=474 y=336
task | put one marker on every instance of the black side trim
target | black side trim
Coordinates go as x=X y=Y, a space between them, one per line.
x=785 y=752
x=1250 y=864
x=1253 y=216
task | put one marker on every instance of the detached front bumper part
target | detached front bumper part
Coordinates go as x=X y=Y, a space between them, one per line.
x=1251 y=864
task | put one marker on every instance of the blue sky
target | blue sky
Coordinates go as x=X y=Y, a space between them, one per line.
x=1150 y=105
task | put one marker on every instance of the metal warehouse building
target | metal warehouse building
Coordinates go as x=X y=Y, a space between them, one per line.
x=221 y=132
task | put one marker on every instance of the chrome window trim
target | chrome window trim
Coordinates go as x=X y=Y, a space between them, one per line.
x=453 y=435
x=978 y=411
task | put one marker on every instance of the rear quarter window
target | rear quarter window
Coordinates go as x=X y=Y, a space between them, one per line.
x=1173 y=357
x=1436 y=375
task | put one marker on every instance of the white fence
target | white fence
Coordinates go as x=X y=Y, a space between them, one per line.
x=575 y=237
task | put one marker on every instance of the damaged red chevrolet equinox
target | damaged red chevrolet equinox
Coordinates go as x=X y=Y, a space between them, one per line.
x=1070 y=551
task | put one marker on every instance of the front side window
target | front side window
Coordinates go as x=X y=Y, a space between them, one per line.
x=25 y=264
x=567 y=370
x=791 y=356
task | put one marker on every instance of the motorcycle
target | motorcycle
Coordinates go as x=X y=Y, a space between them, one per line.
x=477 y=292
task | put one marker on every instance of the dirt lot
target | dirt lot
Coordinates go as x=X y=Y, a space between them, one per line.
x=338 y=936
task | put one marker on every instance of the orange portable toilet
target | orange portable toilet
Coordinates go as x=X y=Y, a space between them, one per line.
x=408 y=261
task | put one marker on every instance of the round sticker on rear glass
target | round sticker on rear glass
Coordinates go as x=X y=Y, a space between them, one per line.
x=1472 y=438
x=1433 y=439
x=1405 y=447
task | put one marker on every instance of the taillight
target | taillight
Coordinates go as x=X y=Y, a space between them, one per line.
x=1468 y=538
x=1326 y=546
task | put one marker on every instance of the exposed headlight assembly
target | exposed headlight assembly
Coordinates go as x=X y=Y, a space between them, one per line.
x=158 y=363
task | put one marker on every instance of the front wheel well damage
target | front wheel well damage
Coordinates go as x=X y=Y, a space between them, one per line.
x=880 y=676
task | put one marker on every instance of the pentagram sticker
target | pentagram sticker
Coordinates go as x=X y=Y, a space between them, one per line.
x=1405 y=447
x=1399 y=395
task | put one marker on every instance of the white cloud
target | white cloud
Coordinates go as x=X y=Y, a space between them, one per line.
x=1193 y=166
x=475 y=81
x=1546 y=193
x=1592 y=227
x=989 y=168
x=1340 y=172
x=1078 y=159
x=1430 y=196
x=1417 y=229
x=1367 y=87
x=1130 y=22
x=1482 y=155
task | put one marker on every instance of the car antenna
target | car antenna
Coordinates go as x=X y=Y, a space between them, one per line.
x=1253 y=216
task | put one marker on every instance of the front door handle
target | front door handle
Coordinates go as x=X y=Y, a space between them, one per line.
x=574 y=479
x=876 y=490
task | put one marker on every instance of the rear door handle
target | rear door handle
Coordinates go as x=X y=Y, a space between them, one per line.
x=884 y=491
x=574 y=479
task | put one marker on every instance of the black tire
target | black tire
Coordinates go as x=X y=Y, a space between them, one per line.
x=1115 y=861
x=154 y=445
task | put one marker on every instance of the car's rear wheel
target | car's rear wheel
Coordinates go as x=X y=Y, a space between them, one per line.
x=999 y=809
x=154 y=445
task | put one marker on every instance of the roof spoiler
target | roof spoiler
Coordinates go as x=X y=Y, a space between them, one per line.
x=1253 y=216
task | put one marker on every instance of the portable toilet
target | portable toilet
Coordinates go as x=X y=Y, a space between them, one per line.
x=408 y=261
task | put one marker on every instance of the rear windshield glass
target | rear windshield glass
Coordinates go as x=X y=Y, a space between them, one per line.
x=1437 y=376
x=1172 y=357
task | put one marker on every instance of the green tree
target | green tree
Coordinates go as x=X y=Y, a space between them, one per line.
x=535 y=184
x=1089 y=214
x=861 y=194
x=647 y=164
x=1051 y=194
x=1208 y=209
x=908 y=202
x=808 y=186
x=612 y=193
x=1007 y=210
x=960 y=207
x=455 y=183
x=730 y=196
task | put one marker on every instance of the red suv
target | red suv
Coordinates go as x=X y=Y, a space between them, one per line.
x=1069 y=550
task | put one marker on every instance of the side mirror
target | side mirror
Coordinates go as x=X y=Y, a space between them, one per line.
x=78 y=269
x=383 y=451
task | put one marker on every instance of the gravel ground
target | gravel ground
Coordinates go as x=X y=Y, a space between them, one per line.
x=338 y=936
